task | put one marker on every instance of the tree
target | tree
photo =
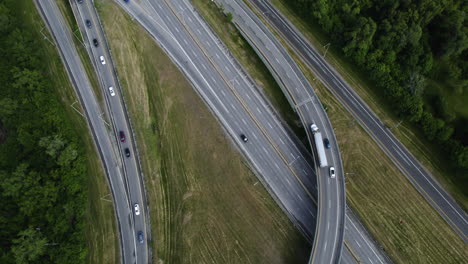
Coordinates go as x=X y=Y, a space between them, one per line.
x=53 y=145
x=449 y=33
x=5 y=19
x=462 y=157
x=29 y=247
x=7 y=107
x=359 y=39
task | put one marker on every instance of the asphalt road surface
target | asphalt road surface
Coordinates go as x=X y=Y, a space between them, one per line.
x=329 y=232
x=122 y=172
x=119 y=116
x=228 y=94
x=421 y=179
x=277 y=157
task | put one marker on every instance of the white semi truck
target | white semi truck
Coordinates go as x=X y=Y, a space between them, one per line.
x=319 y=145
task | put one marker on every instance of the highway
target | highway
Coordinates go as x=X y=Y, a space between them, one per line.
x=227 y=94
x=275 y=155
x=123 y=172
x=329 y=232
x=421 y=179
x=119 y=116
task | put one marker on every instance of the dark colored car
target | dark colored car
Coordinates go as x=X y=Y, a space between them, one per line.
x=88 y=23
x=122 y=136
x=140 y=237
x=95 y=42
x=244 y=138
x=126 y=1
x=327 y=143
x=80 y=1
x=127 y=152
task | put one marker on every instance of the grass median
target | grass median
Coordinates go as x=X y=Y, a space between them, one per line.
x=409 y=230
x=102 y=241
x=205 y=204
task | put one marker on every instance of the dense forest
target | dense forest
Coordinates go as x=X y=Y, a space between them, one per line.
x=42 y=165
x=405 y=46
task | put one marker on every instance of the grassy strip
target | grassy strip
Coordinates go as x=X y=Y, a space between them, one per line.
x=426 y=152
x=101 y=234
x=205 y=204
x=409 y=231
x=65 y=8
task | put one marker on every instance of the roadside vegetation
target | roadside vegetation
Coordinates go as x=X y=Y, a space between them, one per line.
x=408 y=61
x=42 y=166
x=409 y=231
x=51 y=179
x=205 y=204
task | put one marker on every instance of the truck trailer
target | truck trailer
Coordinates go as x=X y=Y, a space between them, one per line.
x=322 y=157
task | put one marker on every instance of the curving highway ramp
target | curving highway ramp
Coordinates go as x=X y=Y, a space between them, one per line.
x=329 y=233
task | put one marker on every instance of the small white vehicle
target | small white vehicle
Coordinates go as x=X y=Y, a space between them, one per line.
x=103 y=61
x=137 y=209
x=111 y=90
x=332 y=172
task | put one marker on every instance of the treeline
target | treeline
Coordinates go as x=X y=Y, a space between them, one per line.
x=42 y=164
x=398 y=43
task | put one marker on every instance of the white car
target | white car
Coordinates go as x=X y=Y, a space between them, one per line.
x=111 y=90
x=103 y=61
x=332 y=172
x=137 y=209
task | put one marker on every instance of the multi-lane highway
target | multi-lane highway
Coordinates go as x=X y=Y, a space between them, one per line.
x=122 y=170
x=421 y=179
x=120 y=121
x=240 y=109
x=329 y=232
x=276 y=156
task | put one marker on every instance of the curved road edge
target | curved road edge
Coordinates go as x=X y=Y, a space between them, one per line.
x=298 y=98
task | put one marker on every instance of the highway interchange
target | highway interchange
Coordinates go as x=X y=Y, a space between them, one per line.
x=421 y=179
x=279 y=159
x=200 y=49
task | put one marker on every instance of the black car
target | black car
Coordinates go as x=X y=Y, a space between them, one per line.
x=95 y=42
x=88 y=23
x=127 y=152
x=327 y=143
x=140 y=237
x=80 y=1
x=244 y=138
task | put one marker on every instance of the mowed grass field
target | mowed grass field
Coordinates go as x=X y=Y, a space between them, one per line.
x=103 y=246
x=422 y=149
x=205 y=204
x=399 y=218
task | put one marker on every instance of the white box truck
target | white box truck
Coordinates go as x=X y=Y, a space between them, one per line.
x=319 y=146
